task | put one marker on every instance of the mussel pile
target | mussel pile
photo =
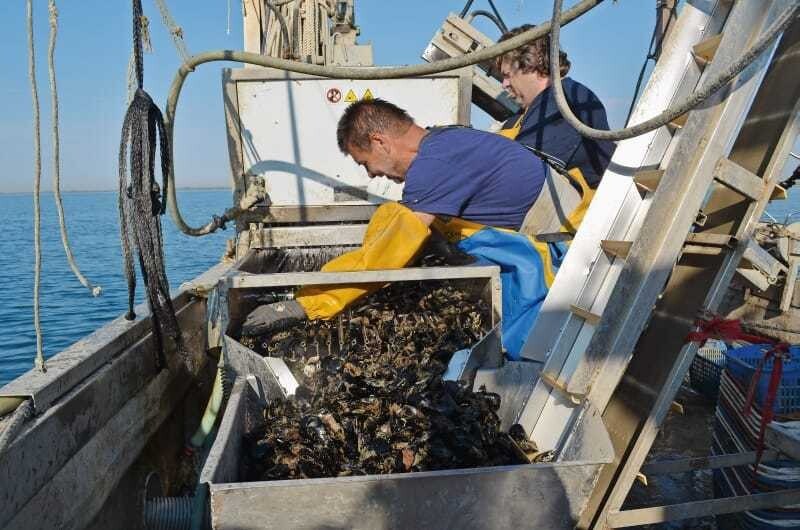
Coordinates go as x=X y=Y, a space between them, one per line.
x=372 y=399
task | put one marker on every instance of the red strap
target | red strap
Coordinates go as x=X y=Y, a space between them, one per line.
x=778 y=353
x=731 y=330
x=727 y=330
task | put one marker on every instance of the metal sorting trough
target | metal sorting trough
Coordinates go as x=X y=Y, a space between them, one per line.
x=546 y=495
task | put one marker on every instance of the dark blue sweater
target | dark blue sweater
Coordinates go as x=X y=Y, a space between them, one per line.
x=544 y=128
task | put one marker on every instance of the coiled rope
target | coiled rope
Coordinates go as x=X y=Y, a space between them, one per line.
x=37 y=177
x=140 y=204
x=62 y=224
x=699 y=96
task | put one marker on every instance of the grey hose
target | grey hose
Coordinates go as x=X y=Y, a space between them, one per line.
x=284 y=28
x=709 y=88
x=496 y=21
x=336 y=72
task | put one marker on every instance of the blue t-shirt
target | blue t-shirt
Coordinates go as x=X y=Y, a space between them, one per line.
x=545 y=129
x=474 y=175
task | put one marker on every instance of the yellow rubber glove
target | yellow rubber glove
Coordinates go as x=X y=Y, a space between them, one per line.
x=393 y=239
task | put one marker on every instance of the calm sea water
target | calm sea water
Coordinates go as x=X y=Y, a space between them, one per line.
x=68 y=312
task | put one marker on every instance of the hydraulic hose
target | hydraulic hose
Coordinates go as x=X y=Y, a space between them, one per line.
x=334 y=72
x=284 y=28
x=212 y=411
x=496 y=21
x=699 y=96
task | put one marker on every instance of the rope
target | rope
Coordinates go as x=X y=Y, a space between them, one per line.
x=140 y=203
x=668 y=115
x=730 y=331
x=94 y=289
x=176 y=31
x=37 y=177
x=333 y=72
x=309 y=28
x=15 y=423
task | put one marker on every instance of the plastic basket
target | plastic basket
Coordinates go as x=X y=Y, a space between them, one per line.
x=741 y=364
x=706 y=368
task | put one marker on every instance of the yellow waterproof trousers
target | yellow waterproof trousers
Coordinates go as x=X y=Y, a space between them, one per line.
x=394 y=237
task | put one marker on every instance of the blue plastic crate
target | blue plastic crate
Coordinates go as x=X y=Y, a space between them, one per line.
x=742 y=362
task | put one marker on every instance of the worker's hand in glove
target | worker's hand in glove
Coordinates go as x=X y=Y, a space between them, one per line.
x=439 y=251
x=270 y=318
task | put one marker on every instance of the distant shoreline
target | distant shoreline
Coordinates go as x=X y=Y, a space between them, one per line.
x=187 y=188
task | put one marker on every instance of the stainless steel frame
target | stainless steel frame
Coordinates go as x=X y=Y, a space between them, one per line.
x=496 y=497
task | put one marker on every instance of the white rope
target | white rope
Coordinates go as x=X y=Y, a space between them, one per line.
x=228 y=24
x=147 y=44
x=37 y=177
x=309 y=27
x=94 y=289
x=175 y=30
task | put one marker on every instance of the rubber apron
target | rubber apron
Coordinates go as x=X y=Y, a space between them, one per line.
x=569 y=205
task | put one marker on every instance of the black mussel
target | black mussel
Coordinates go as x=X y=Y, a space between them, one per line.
x=371 y=396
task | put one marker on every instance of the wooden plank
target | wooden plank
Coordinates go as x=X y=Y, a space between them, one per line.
x=618 y=249
x=739 y=179
x=648 y=179
x=705 y=50
x=678 y=122
x=588 y=316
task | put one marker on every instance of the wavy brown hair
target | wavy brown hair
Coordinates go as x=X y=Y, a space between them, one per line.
x=531 y=57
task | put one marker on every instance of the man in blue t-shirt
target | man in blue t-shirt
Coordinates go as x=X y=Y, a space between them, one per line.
x=448 y=171
x=473 y=187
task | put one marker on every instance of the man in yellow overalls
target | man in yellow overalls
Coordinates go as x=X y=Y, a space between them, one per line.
x=473 y=187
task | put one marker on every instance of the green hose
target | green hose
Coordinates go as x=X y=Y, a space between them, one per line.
x=211 y=412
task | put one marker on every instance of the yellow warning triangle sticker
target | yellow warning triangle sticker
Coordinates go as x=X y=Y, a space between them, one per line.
x=368 y=95
x=351 y=96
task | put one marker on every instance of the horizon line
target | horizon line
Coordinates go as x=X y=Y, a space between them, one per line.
x=184 y=188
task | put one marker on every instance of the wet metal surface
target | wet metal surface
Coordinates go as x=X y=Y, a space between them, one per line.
x=682 y=436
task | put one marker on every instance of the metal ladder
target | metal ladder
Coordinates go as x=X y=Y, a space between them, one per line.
x=677 y=208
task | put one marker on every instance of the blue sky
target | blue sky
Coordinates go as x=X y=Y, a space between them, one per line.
x=606 y=48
